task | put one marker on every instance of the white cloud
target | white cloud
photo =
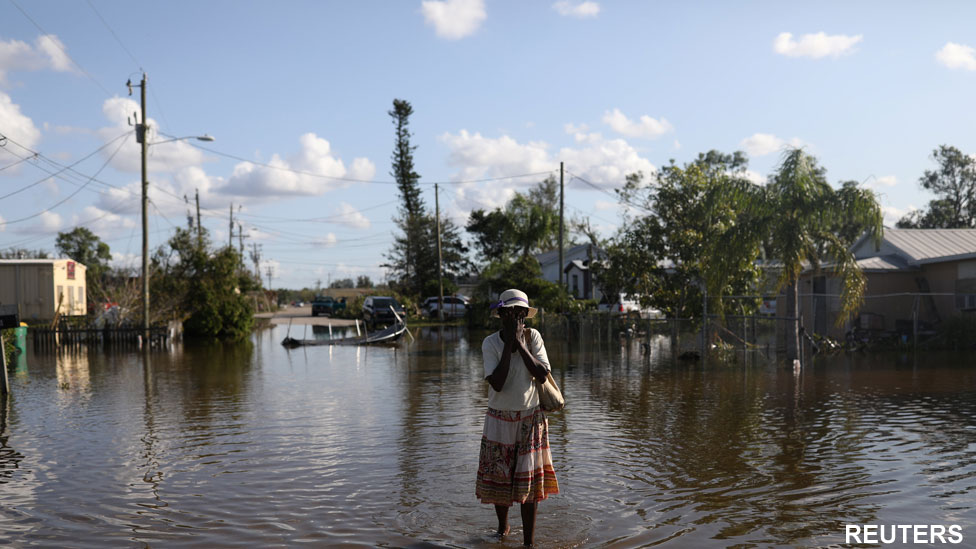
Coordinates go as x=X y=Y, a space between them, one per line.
x=599 y=160
x=601 y=205
x=646 y=127
x=480 y=157
x=3 y=224
x=454 y=19
x=166 y=194
x=572 y=129
x=125 y=260
x=46 y=54
x=346 y=214
x=54 y=51
x=755 y=177
x=472 y=197
x=604 y=162
x=163 y=157
x=310 y=172
x=325 y=241
x=892 y=214
x=103 y=223
x=816 y=45
x=47 y=223
x=761 y=144
x=17 y=126
x=580 y=10
x=957 y=56
x=881 y=182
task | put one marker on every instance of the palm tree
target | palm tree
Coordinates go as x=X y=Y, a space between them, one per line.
x=807 y=217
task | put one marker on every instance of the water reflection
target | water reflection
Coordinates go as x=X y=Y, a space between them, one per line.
x=254 y=445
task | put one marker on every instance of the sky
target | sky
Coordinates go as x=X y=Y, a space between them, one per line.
x=297 y=94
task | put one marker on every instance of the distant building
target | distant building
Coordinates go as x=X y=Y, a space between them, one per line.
x=42 y=287
x=917 y=275
x=579 y=280
x=549 y=261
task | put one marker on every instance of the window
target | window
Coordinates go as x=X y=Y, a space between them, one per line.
x=576 y=285
x=966 y=302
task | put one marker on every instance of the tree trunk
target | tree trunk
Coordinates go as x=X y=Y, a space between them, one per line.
x=793 y=324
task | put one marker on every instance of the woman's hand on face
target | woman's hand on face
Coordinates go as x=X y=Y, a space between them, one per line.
x=509 y=327
x=522 y=331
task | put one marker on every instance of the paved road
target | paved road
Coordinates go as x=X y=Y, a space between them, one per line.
x=303 y=315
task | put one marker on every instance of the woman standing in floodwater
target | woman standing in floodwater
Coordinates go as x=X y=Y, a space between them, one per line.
x=515 y=464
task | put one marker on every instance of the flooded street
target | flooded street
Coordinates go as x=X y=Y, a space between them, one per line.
x=253 y=445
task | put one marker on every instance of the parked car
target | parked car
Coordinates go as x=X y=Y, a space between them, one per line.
x=326 y=305
x=378 y=310
x=454 y=307
x=626 y=305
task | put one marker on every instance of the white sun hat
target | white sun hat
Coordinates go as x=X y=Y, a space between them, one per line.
x=513 y=298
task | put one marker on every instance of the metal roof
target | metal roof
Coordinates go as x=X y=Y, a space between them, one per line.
x=45 y=261
x=933 y=245
x=553 y=255
x=884 y=263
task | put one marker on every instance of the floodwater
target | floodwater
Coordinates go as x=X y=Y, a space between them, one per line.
x=253 y=445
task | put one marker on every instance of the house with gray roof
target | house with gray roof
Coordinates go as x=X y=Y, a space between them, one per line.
x=916 y=278
x=576 y=273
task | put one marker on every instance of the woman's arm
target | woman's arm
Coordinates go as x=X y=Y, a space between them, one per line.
x=535 y=367
x=500 y=373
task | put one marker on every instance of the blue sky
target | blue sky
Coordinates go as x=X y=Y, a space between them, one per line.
x=499 y=89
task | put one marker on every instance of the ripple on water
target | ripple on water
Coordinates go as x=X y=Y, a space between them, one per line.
x=258 y=446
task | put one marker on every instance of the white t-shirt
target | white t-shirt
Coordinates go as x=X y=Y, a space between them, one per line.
x=520 y=391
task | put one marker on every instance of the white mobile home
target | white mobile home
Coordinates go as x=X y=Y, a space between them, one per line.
x=39 y=287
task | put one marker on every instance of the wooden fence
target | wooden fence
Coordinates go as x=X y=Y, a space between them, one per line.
x=73 y=336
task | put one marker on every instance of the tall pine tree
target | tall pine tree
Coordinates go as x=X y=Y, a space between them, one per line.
x=413 y=259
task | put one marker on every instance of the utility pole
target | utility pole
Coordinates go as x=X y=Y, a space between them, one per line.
x=269 y=271
x=256 y=258
x=561 y=265
x=199 y=228
x=440 y=271
x=240 y=238
x=230 y=233
x=142 y=131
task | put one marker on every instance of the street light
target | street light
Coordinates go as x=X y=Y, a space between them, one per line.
x=142 y=128
x=203 y=137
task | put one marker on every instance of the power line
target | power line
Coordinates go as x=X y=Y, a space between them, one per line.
x=36 y=154
x=617 y=197
x=4 y=223
x=274 y=219
x=354 y=180
x=116 y=36
x=22 y=159
x=73 y=62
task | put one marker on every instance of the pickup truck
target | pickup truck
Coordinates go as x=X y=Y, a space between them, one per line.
x=326 y=305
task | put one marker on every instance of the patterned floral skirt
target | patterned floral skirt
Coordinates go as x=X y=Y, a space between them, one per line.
x=515 y=464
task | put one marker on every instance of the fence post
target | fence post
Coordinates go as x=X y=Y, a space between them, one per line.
x=4 y=383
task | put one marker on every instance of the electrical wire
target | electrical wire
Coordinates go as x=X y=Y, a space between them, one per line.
x=617 y=197
x=32 y=216
x=36 y=154
x=22 y=159
x=73 y=62
x=116 y=36
x=354 y=180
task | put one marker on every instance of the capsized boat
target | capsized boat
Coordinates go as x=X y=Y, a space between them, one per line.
x=386 y=335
